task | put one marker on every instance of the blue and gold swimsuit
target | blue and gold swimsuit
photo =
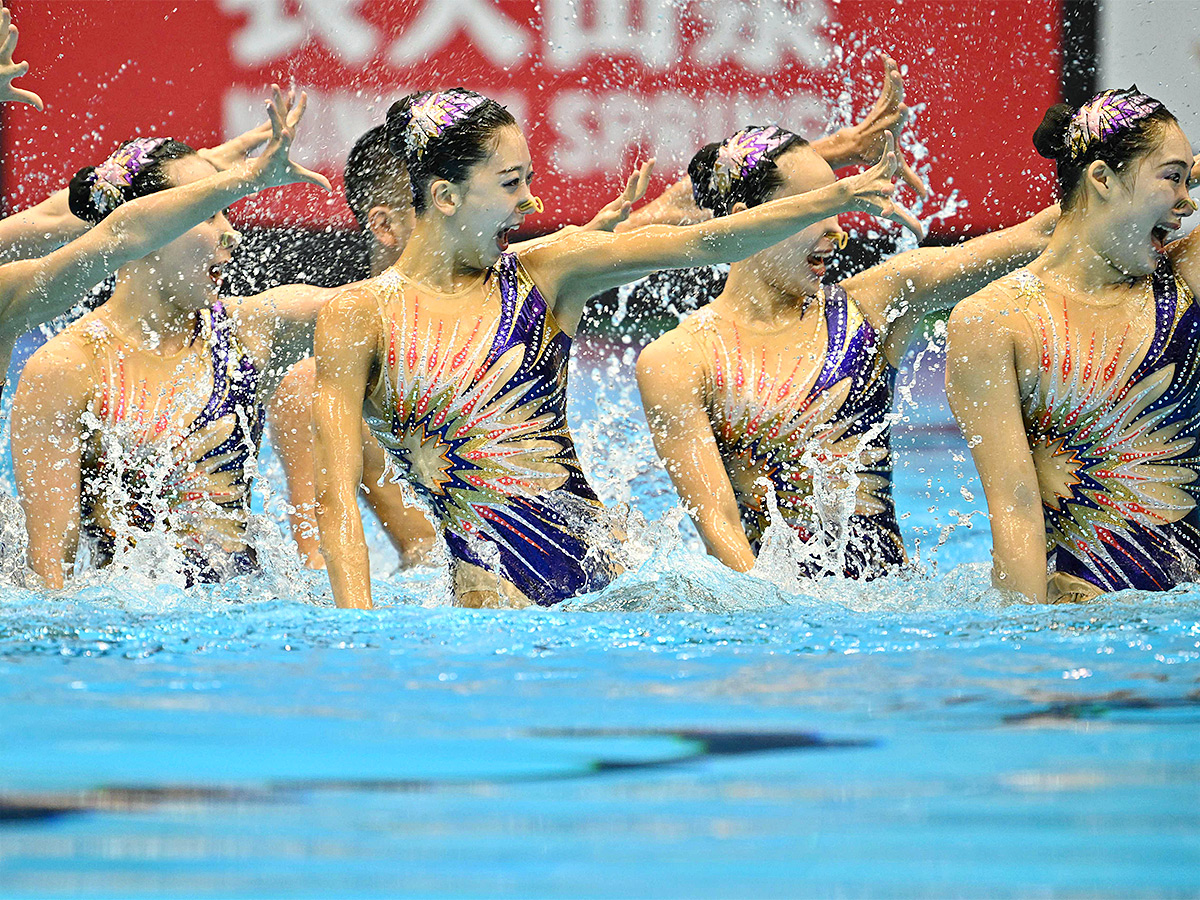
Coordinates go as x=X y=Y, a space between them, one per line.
x=170 y=445
x=472 y=409
x=785 y=421
x=1112 y=425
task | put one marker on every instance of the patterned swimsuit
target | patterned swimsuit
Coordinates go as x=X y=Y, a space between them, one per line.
x=473 y=412
x=173 y=455
x=1114 y=442
x=770 y=428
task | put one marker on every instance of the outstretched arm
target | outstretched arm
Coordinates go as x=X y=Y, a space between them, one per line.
x=32 y=291
x=898 y=293
x=39 y=230
x=346 y=349
x=573 y=267
x=287 y=316
x=669 y=378
x=43 y=228
x=854 y=145
x=983 y=389
x=610 y=216
x=861 y=144
x=47 y=440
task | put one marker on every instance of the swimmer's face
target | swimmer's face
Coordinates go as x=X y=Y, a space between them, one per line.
x=190 y=267
x=490 y=198
x=796 y=265
x=1146 y=205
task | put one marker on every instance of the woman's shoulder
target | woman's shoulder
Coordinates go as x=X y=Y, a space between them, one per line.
x=83 y=336
x=678 y=349
x=67 y=359
x=994 y=311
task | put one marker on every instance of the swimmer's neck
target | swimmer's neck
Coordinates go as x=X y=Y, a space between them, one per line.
x=1072 y=254
x=382 y=258
x=751 y=298
x=141 y=305
x=430 y=258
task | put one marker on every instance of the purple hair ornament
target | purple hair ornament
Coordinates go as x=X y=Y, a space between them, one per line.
x=111 y=177
x=437 y=111
x=745 y=152
x=1105 y=115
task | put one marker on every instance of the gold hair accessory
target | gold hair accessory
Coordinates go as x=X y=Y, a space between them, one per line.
x=533 y=204
x=839 y=238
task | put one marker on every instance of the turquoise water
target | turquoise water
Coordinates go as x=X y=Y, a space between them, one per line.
x=688 y=732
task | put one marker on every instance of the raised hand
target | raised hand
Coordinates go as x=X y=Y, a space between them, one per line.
x=873 y=189
x=617 y=211
x=888 y=116
x=235 y=150
x=274 y=167
x=10 y=70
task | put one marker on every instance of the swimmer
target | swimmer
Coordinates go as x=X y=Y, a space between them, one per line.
x=783 y=381
x=458 y=355
x=1076 y=379
x=380 y=196
x=378 y=193
x=147 y=411
x=46 y=226
x=33 y=291
x=854 y=145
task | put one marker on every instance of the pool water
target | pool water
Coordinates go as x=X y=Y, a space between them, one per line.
x=688 y=732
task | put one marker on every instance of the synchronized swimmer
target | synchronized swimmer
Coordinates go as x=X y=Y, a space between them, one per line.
x=1071 y=368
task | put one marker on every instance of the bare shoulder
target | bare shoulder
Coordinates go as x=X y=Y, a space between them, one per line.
x=671 y=366
x=351 y=317
x=64 y=363
x=675 y=350
x=995 y=311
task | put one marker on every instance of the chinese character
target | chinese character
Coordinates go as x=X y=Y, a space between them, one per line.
x=275 y=29
x=495 y=35
x=612 y=28
x=757 y=34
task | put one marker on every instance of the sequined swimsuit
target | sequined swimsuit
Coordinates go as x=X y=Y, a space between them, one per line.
x=1113 y=439
x=473 y=412
x=769 y=426
x=172 y=453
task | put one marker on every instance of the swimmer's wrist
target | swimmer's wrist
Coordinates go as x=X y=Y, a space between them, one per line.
x=842 y=148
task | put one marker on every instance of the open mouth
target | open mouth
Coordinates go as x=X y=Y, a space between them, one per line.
x=816 y=262
x=1160 y=235
x=216 y=273
x=502 y=236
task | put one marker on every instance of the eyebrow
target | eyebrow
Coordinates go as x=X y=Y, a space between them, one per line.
x=1187 y=164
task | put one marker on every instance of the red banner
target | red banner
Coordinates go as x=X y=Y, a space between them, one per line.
x=596 y=84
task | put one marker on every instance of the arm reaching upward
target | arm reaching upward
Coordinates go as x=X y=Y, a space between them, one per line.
x=9 y=70
x=851 y=146
x=43 y=228
x=859 y=144
x=32 y=291
x=573 y=267
x=897 y=294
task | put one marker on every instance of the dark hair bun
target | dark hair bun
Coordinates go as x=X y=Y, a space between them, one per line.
x=1050 y=139
x=700 y=170
x=399 y=117
x=79 y=196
